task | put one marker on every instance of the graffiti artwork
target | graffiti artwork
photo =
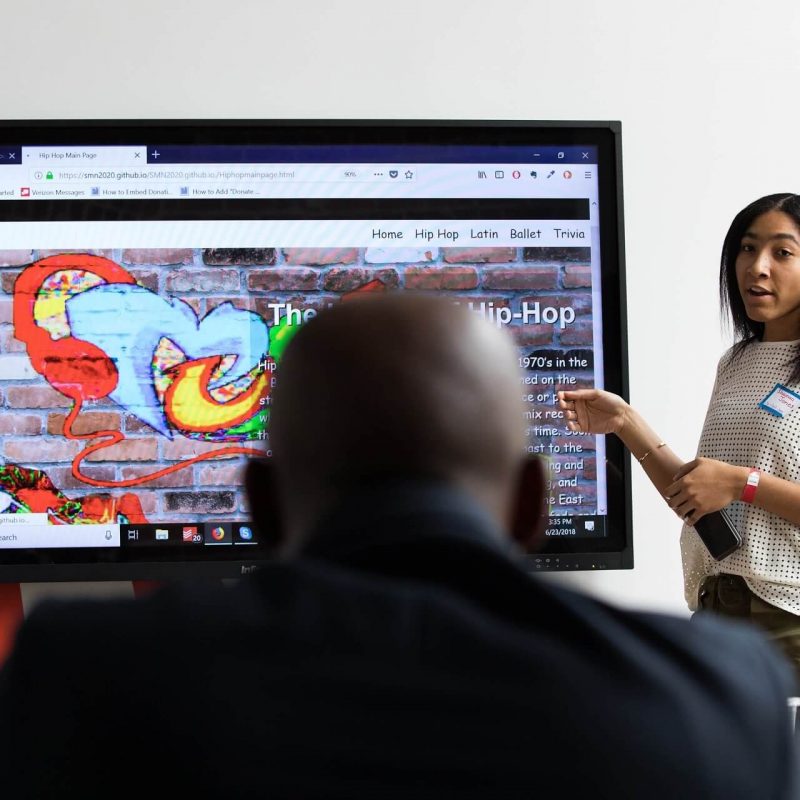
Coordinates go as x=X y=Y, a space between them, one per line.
x=92 y=332
x=172 y=368
x=30 y=491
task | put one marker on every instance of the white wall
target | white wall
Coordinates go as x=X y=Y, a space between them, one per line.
x=707 y=94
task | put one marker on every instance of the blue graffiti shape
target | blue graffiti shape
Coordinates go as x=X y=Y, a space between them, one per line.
x=128 y=321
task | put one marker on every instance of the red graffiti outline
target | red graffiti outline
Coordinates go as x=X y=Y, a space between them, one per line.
x=65 y=363
x=64 y=370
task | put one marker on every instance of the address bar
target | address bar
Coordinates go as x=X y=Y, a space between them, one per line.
x=205 y=174
x=316 y=173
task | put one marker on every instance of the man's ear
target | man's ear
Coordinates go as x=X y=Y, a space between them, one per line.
x=528 y=506
x=262 y=497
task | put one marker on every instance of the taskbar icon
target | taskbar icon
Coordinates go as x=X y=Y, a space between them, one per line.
x=227 y=532
x=218 y=533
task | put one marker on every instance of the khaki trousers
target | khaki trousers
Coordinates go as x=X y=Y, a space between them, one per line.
x=730 y=596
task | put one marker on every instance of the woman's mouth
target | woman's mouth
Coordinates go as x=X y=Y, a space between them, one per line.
x=756 y=293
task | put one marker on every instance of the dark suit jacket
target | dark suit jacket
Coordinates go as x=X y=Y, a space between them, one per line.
x=407 y=653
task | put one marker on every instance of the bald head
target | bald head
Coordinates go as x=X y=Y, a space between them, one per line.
x=395 y=385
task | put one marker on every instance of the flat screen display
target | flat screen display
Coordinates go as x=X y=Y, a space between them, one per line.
x=152 y=273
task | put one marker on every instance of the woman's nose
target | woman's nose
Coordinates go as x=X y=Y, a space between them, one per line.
x=761 y=264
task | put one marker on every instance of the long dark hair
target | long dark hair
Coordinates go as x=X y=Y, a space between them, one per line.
x=745 y=329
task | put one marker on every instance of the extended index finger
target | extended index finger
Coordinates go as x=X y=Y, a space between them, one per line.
x=571 y=395
x=565 y=403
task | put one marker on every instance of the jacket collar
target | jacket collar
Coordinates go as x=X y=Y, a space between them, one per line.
x=429 y=534
x=400 y=512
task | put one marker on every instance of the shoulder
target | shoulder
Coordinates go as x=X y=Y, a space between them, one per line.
x=695 y=654
x=189 y=618
x=745 y=362
x=733 y=650
x=726 y=679
x=728 y=661
x=81 y=628
x=730 y=356
x=711 y=693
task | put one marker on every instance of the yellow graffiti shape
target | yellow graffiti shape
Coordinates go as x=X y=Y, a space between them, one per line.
x=189 y=406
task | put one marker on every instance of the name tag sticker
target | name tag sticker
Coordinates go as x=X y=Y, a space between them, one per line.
x=780 y=402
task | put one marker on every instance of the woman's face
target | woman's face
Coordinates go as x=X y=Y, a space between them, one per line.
x=768 y=274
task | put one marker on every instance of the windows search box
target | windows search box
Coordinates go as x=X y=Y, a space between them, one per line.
x=21 y=537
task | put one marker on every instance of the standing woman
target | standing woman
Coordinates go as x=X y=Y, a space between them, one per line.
x=748 y=458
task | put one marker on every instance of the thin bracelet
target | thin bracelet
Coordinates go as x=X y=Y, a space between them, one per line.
x=657 y=447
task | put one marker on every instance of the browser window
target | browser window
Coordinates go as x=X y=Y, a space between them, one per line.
x=149 y=290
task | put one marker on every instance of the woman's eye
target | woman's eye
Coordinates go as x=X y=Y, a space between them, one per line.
x=784 y=253
x=746 y=248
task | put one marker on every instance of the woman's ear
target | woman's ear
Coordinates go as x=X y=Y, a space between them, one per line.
x=262 y=497
x=528 y=506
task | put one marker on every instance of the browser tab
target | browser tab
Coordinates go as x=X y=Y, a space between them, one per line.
x=10 y=155
x=81 y=155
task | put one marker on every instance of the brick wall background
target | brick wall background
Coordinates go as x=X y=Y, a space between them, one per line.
x=32 y=413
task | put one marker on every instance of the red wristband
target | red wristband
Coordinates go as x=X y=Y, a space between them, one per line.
x=749 y=491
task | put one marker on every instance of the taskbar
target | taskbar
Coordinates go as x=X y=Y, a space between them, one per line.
x=208 y=534
x=31 y=532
